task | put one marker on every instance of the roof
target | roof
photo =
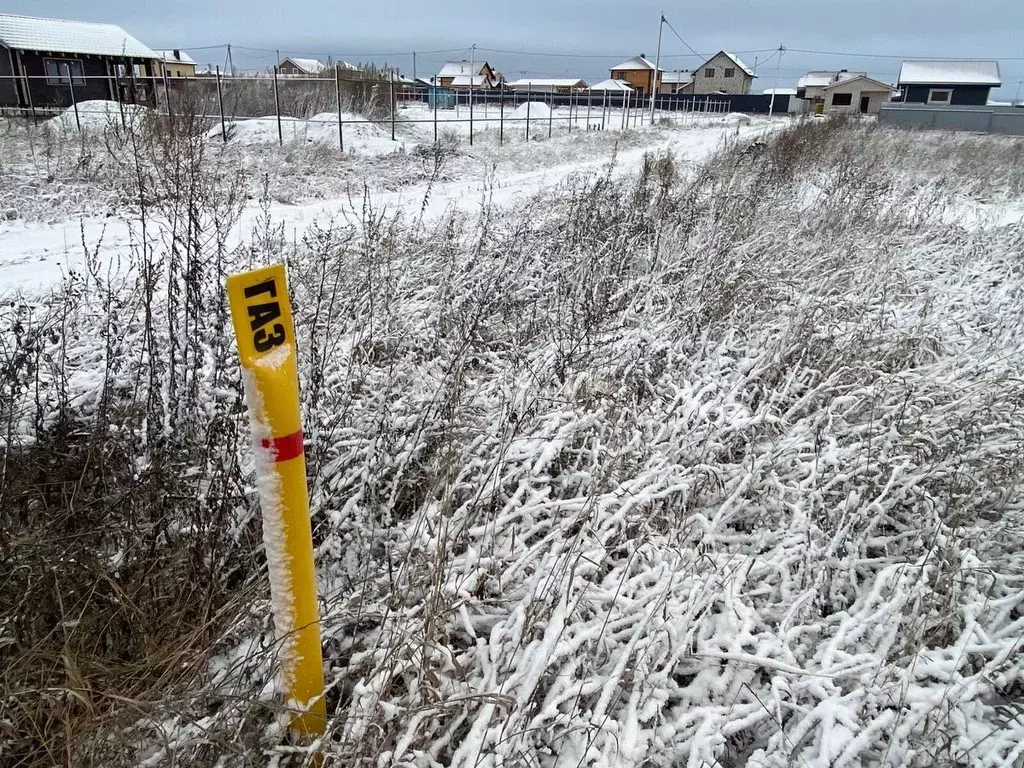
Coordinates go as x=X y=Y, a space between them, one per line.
x=735 y=60
x=464 y=80
x=456 y=68
x=309 y=66
x=611 y=85
x=634 y=64
x=550 y=82
x=29 y=33
x=181 y=58
x=779 y=91
x=870 y=80
x=963 y=72
x=825 y=79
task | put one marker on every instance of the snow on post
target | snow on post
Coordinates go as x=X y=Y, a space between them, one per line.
x=266 y=345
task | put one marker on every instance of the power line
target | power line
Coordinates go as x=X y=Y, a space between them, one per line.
x=680 y=37
x=901 y=56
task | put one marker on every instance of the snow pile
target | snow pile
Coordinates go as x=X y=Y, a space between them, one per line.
x=537 y=111
x=359 y=134
x=97 y=115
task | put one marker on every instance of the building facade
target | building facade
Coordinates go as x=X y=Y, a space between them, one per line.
x=722 y=73
x=49 y=63
x=965 y=83
x=638 y=73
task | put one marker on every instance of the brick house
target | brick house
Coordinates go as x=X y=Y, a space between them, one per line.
x=43 y=62
x=722 y=73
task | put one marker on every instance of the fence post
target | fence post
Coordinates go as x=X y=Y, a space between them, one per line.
x=71 y=85
x=604 y=110
x=337 y=91
x=529 y=101
x=277 y=110
x=167 y=92
x=501 y=116
x=551 y=110
x=220 y=104
x=393 y=103
x=471 y=109
x=435 y=94
x=625 y=108
x=28 y=87
x=590 y=104
x=120 y=103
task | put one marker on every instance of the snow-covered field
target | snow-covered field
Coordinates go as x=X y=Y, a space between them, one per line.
x=691 y=445
x=393 y=176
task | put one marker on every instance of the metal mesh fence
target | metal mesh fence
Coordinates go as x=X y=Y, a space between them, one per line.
x=349 y=99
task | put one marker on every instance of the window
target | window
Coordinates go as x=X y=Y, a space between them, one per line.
x=57 y=71
x=842 y=99
x=730 y=71
x=940 y=96
x=709 y=72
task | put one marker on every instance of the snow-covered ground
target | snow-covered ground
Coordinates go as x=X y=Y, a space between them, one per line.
x=35 y=255
x=646 y=456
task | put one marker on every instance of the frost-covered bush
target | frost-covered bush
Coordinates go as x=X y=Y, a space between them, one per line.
x=702 y=466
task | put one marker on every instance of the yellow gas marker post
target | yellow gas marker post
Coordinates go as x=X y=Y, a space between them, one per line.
x=262 y=318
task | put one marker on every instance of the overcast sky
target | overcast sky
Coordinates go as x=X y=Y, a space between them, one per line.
x=599 y=32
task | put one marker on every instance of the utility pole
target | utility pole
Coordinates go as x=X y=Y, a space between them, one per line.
x=414 y=65
x=657 y=67
x=778 y=70
x=231 y=62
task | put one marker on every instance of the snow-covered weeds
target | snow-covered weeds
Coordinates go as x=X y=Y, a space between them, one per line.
x=717 y=467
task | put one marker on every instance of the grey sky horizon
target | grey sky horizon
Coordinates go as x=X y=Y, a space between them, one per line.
x=587 y=37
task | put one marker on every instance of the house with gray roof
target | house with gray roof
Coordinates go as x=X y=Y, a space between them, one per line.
x=48 y=63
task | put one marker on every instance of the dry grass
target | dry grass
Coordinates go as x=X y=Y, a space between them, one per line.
x=642 y=471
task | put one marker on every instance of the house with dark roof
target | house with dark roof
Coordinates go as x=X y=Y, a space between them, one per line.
x=948 y=83
x=48 y=63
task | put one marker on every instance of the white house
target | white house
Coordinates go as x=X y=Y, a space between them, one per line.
x=810 y=89
x=672 y=81
x=612 y=86
x=857 y=95
x=560 y=85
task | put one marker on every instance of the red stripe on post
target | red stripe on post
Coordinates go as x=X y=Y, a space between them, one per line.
x=285 y=448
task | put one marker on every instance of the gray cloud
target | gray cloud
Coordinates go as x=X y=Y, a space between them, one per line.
x=597 y=32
